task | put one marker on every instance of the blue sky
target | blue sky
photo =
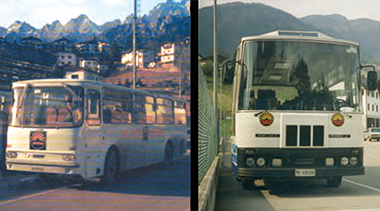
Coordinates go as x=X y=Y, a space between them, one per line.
x=40 y=12
x=351 y=9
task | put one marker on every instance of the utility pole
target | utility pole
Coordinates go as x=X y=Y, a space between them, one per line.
x=215 y=63
x=134 y=45
x=216 y=77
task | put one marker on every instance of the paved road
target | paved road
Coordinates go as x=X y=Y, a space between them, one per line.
x=355 y=193
x=158 y=187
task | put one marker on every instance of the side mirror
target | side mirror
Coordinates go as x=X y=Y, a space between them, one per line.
x=369 y=77
x=371 y=81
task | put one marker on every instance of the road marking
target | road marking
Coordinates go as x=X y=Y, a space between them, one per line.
x=364 y=186
x=36 y=194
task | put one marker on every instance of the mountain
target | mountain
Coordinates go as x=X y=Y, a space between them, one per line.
x=3 y=31
x=53 y=30
x=81 y=25
x=168 y=21
x=257 y=18
x=109 y=25
x=238 y=19
x=21 y=28
x=364 y=31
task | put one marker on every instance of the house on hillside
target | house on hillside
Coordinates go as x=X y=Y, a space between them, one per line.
x=66 y=58
x=143 y=58
x=90 y=63
x=82 y=74
x=89 y=48
x=63 y=45
x=31 y=42
x=171 y=53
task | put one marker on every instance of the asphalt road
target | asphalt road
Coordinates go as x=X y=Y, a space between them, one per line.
x=355 y=193
x=157 y=187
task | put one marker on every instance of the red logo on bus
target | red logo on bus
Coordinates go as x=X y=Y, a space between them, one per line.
x=266 y=119
x=337 y=120
x=38 y=140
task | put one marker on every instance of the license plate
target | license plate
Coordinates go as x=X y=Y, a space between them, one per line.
x=37 y=168
x=304 y=172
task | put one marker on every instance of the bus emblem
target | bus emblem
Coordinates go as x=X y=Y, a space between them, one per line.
x=337 y=120
x=38 y=140
x=266 y=119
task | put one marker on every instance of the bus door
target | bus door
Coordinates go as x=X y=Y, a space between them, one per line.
x=94 y=137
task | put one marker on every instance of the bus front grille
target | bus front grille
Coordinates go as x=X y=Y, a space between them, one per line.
x=304 y=135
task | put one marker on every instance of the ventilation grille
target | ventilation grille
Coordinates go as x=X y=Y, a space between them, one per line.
x=304 y=135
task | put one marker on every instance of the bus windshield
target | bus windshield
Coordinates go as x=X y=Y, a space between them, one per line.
x=294 y=75
x=48 y=106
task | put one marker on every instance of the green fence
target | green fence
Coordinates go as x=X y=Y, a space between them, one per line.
x=207 y=131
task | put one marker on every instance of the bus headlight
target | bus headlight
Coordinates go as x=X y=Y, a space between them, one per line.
x=68 y=157
x=344 y=161
x=250 y=162
x=353 y=161
x=260 y=162
x=11 y=154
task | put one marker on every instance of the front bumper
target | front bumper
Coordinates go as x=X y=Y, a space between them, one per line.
x=290 y=172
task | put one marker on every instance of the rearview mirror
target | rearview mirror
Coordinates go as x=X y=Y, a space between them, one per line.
x=371 y=81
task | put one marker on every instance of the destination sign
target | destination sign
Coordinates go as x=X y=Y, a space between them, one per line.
x=339 y=136
x=267 y=135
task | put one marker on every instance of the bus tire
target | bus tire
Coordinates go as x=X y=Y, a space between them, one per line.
x=168 y=153
x=248 y=184
x=334 y=181
x=111 y=167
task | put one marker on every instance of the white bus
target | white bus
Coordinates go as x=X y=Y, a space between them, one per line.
x=297 y=110
x=5 y=104
x=88 y=128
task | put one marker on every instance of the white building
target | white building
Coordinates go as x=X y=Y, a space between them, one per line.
x=82 y=74
x=371 y=102
x=143 y=58
x=67 y=58
x=89 y=63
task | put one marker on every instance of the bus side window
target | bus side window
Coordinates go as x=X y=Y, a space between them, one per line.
x=93 y=107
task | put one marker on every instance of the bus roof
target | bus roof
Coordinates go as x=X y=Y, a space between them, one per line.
x=299 y=36
x=84 y=81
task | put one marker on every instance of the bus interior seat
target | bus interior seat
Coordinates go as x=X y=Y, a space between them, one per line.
x=126 y=117
x=63 y=113
x=115 y=116
x=266 y=99
x=51 y=115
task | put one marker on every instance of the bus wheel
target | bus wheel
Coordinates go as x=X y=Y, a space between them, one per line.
x=168 y=154
x=334 y=181
x=111 y=167
x=249 y=184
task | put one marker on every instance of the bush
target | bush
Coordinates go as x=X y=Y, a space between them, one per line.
x=208 y=68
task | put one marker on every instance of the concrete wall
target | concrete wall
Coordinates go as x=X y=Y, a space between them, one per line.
x=207 y=188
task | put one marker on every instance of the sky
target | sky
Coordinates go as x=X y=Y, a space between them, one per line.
x=351 y=9
x=40 y=12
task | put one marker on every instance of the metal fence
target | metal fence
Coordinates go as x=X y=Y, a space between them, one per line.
x=207 y=131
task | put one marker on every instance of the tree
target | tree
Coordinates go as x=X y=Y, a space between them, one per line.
x=208 y=68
